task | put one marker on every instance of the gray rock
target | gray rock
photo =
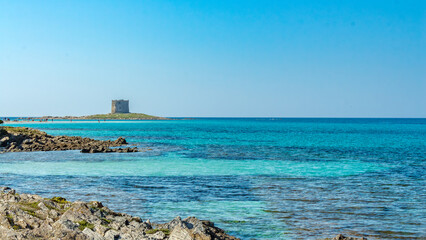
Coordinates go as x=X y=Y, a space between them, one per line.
x=27 y=216
x=92 y=235
x=4 y=141
x=180 y=233
x=27 y=141
x=158 y=235
x=120 y=141
x=112 y=235
x=21 y=139
x=342 y=237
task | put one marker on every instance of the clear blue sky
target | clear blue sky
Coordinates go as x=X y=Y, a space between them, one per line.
x=214 y=58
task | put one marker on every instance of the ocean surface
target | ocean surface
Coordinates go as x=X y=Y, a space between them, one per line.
x=256 y=178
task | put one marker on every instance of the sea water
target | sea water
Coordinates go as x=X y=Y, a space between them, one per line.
x=255 y=178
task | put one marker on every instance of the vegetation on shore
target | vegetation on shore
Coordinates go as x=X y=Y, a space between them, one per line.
x=124 y=116
x=24 y=131
x=108 y=116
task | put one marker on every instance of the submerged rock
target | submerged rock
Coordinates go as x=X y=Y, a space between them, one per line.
x=26 y=216
x=342 y=237
x=107 y=150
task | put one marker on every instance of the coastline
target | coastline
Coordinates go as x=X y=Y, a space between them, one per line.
x=27 y=216
x=30 y=216
x=108 y=116
x=22 y=139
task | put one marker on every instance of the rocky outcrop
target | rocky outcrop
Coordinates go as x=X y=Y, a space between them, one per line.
x=20 y=139
x=342 y=237
x=192 y=228
x=25 y=216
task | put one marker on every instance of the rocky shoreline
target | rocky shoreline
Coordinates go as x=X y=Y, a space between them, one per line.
x=22 y=139
x=26 y=216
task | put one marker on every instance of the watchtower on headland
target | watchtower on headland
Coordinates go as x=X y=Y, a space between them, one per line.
x=120 y=106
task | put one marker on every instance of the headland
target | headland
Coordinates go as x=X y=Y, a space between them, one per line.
x=108 y=116
x=22 y=139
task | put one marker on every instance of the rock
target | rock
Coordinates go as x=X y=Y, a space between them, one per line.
x=13 y=145
x=158 y=235
x=97 y=204
x=342 y=237
x=92 y=150
x=180 y=233
x=20 y=139
x=193 y=228
x=92 y=235
x=120 y=141
x=85 y=150
x=3 y=132
x=112 y=235
x=5 y=189
x=43 y=207
x=27 y=216
x=27 y=141
x=4 y=141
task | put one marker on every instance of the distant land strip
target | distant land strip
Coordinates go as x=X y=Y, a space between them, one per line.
x=111 y=116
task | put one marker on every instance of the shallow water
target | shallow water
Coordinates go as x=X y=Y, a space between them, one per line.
x=256 y=178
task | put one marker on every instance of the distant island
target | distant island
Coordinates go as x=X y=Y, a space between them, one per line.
x=119 y=111
x=129 y=116
x=110 y=116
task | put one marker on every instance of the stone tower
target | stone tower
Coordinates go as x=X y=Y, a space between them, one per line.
x=120 y=106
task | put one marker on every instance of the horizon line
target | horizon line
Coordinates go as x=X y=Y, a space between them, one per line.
x=264 y=117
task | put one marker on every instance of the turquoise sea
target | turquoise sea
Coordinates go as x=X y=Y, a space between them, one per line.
x=256 y=178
